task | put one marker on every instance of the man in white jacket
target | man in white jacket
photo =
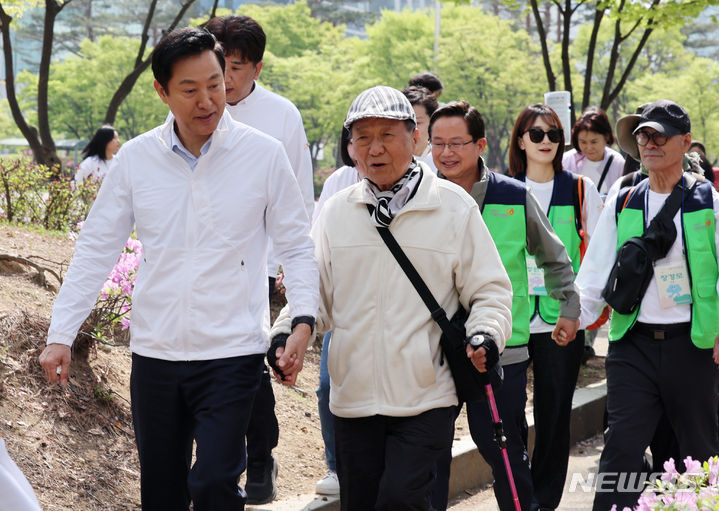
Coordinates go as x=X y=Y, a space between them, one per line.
x=243 y=41
x=205 y=194
x=391 y=389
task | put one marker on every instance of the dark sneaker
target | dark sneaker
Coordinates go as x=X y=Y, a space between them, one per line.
x=261 y=486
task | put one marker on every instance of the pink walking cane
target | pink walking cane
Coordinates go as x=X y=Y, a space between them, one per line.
x=501 y=442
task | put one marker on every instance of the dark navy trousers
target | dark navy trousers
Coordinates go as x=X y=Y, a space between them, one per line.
x=176 y=403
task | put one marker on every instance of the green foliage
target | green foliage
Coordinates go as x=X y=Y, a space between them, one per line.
x=8 y=128
x=399 y=46
x=81 y=88
x=309 y=62
x=291 y=30
x=695 y=86
x=28 y=195
x=493 y=68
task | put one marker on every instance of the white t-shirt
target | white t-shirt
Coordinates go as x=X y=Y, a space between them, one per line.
x=338 y=180
x=594 y=205
x=92 y=166
x=651 y=310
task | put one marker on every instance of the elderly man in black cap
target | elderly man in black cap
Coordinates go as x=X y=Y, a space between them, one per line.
x=391 y=388
x=663 y=347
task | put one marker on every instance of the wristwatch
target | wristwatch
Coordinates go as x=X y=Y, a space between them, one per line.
x=307 y=320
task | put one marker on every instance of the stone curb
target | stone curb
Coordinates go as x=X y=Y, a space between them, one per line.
x=469 y=470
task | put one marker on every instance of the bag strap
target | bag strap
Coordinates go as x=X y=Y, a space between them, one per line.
x=438 y=314
x=580 y=213
x=674 y=201
x=604 y=172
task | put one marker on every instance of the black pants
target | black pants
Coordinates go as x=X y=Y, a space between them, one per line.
x=263 y=431
x=556 y=369
x=511 y=400
x=646 y=378
x=439 y=493
x=388 y=463
x=174 y=403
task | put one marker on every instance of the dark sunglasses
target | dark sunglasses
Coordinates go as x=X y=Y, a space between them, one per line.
x=643 y=138
x=536 y=135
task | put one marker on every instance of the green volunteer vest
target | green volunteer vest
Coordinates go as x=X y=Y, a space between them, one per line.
x=562 y=217
x=699 y=230
x=504 y=212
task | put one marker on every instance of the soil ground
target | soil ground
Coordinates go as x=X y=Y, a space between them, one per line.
x=76 y=445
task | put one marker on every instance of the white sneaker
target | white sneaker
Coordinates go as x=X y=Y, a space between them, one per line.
x=328 y=485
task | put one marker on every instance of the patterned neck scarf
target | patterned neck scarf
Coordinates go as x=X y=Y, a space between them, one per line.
x=389 y=202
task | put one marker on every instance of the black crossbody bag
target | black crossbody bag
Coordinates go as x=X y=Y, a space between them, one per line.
x=634 y=267
x=470 y=383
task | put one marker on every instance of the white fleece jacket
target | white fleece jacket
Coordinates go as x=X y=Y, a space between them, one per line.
x=384 y=357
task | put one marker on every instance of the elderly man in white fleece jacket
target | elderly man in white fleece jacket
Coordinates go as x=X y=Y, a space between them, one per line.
x=391 y=389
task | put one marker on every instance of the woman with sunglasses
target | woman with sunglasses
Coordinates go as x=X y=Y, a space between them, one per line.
x=535 y=156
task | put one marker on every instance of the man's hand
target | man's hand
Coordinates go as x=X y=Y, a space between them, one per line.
x=292 y=356
x=56 y=356
x=279 y=286
x=716 y=350
x=565 y=331
x=478 y=356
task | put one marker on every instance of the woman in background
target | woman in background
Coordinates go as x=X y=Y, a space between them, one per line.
x=535 y=157
x=591 y=137
x=97 y=154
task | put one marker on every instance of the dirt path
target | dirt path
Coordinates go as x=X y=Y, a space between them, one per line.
x=76 y=445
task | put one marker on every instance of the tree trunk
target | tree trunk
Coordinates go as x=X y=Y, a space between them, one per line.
x=598 y=16
x=141 y=64
x=52 y=9
x=42 y=154
x=551 y=79
x=566 y=15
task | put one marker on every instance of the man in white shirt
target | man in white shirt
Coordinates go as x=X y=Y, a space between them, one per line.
x=196 y=189
x=243 y=41
x=662 y=352
x=424 y=104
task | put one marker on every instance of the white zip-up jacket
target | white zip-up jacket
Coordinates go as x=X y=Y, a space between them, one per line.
x=201 y=290
x=279 y=117
x=385 y=356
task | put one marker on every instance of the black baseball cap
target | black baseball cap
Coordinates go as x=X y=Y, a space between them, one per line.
x=665 y=116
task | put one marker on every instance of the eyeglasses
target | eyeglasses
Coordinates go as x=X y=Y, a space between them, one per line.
x=643 y=138
x=536 y=135
x=454 y=146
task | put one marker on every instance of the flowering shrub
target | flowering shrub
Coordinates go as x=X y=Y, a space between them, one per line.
x=696 y=489
x=115 y=301
x=31 y=193
x=116 y=294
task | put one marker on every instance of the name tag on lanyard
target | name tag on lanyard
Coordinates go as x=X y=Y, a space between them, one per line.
x=673 y=284
x=672 y=278
x=535 y=276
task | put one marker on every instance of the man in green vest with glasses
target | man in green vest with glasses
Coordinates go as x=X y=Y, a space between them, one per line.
x=662 y=357
x=519 y=228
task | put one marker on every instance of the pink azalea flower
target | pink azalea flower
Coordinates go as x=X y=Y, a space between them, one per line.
x=670 y=471
x=693 y=467
x=125 y=323
x=713 y=471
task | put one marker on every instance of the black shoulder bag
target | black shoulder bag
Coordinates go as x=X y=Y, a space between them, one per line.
x=634 y=266
x=470 y=383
